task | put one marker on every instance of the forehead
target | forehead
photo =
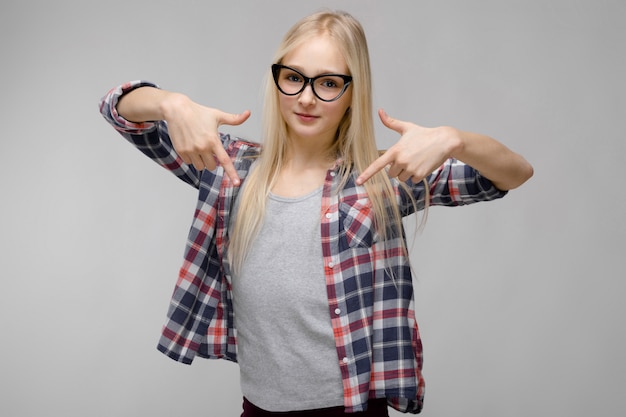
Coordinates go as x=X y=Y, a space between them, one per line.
x=317 y=55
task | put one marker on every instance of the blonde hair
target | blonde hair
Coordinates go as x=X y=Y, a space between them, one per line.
x=355 y=144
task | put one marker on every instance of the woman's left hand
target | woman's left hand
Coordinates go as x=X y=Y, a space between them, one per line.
x=418 y=152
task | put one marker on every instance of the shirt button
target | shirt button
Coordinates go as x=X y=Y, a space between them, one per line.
x=345 y=360
x=337 y=311
x=329 y=215
x=331 y=264
x=332 y=174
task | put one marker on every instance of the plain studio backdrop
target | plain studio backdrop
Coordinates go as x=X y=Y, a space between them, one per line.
x=520 y=301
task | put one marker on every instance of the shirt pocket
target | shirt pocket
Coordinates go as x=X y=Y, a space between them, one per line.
x=357 y=219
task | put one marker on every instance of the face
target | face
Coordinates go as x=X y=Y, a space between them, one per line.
x=309 y=118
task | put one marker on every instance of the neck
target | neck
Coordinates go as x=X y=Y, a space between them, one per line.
x=309 y=153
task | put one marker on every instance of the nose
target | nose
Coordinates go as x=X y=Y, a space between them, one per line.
x=306 y=96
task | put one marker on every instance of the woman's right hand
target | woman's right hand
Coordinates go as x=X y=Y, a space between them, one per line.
x=193 y=128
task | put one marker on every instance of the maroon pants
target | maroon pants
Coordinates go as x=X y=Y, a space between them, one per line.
x=375 y=408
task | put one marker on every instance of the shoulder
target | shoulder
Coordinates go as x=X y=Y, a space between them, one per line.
x=238 y=148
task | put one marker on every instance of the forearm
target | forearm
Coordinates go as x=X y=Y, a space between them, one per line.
x=146 y=104
x=505 y=168
x=192 y=128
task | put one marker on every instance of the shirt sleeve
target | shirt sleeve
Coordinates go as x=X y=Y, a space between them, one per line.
x=454 y=183
x=108 y=108
x=151 y=138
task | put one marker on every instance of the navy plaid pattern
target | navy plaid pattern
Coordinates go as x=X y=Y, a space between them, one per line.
x=370 y=292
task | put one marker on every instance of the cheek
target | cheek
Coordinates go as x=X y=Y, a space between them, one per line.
x=340 y=110
x=285 y=103
x=343 y=104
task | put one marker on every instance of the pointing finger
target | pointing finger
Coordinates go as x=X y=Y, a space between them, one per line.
x=227 y=164
x=376 y=166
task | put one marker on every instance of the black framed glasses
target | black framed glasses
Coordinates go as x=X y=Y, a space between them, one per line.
x=326 y=87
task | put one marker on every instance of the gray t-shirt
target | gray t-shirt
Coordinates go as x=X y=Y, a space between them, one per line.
x=286 y=349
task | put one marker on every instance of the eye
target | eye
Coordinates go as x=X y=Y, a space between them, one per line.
x=329 y=83
x=293 y=77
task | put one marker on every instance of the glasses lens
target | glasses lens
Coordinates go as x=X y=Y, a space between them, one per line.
x=289 y=81
x=326 y=87
x=329 y=87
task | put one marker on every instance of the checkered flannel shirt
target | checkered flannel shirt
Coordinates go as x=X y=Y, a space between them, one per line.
x=370 y=293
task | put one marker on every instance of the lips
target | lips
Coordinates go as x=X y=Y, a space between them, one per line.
x=306 y=117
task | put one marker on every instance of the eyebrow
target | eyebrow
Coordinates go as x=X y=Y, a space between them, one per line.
x=322 y=72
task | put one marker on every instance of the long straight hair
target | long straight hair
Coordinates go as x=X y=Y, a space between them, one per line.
x=355 y=144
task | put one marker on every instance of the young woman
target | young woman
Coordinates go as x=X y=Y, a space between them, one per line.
x=296 y=265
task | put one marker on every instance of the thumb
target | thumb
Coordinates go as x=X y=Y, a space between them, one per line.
x=233 y=119
x=393 y=124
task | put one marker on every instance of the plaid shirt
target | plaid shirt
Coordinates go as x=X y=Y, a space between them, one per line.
x=370 y=293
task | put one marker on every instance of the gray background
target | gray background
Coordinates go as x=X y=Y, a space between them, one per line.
x=519 y=301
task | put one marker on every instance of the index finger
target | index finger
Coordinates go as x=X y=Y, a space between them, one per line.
x=376 y=166
x=226 y=163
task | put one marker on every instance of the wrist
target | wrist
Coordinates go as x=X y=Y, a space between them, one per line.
x=455 y=141
x=170 y=103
